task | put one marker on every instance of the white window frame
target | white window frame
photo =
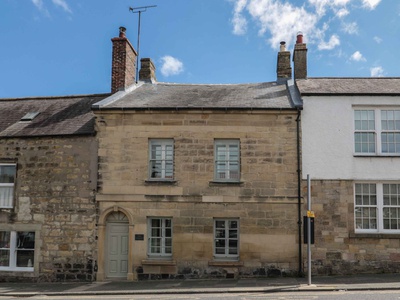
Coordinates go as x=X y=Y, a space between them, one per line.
x=13 y=253
x=224 y=168
x=166 y=160
x=375 y=209
x=7 y=199
x=378 y=131
x=162 y=240
x=227 y=235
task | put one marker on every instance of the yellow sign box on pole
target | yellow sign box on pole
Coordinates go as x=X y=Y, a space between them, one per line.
x=310 y=214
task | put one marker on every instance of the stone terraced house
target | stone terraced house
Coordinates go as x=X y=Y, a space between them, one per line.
x=48 y=175
x=351 y=150
x=161 y=180
x=196 y=180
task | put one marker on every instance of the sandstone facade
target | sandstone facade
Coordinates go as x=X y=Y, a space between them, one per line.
x=264 y=201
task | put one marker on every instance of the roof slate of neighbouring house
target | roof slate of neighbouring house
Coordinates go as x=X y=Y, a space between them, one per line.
x=67 y=115
x=349 y=86
x=205 y=96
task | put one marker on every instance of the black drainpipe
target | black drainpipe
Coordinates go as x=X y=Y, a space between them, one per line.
x=299 y=222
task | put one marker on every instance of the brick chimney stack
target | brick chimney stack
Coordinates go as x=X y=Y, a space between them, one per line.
x=300 y=58
x=123 y=70
x=147 y=70
x=283 y=68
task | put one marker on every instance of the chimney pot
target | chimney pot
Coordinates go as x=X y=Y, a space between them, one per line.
x=122 y=31
x=283 y=46
x=299 y=38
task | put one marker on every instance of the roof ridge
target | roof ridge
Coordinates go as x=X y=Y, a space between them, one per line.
x=54 y=97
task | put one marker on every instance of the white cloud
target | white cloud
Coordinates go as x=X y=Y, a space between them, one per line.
x=239 y=22
x=377 y=39
x=321 y=6
x=38 y=4
x=357 y=56
x=377 y=71
x=370 y=4
x=282 y=20
x=63 y=4
x=171 y=66
x=342 y=12
x=332 y=43
x=350 y=28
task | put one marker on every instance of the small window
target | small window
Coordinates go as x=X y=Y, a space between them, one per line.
x=30 y=116
x=161 y=164
x=7 y=179
x=227 y=160
x=390 y=136
x=17 y=250
x=364 y=135
x=160 y=237
x=226 y=239
x=366 y=206
x=391 y=206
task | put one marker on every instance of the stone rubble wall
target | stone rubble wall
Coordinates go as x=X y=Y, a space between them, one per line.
x=54 y=192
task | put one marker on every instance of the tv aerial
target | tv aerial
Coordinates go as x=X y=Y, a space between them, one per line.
x=139 y=10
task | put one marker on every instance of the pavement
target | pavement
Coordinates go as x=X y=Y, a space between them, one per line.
x=193 y=286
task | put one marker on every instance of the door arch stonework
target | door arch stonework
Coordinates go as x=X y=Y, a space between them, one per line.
x=115 y=221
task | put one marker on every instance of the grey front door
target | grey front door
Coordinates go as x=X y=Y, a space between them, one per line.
x=117 y=249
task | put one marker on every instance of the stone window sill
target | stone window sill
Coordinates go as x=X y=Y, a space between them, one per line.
x=160 y=182
x=377 y=155
x=155 y=262
x=227 y=183
x=374 y=235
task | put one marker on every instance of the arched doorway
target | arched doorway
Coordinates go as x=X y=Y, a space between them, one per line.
x=117 y=245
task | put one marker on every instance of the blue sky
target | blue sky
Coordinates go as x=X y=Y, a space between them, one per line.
x=63 y=47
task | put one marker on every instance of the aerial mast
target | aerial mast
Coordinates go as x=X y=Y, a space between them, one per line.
x=139 y=10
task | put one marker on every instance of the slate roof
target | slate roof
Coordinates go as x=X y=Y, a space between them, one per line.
x=350 y=86
x=67 y=115
x=204 y=96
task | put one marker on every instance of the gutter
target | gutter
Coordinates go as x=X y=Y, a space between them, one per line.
x=299 y=222
x=297 y=102
x=176 y=108
x=349 y=94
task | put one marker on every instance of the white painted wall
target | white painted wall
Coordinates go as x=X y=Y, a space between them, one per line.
x=328 y=140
